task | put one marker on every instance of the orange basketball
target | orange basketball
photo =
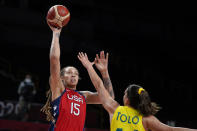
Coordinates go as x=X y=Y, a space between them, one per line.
x=58 y=16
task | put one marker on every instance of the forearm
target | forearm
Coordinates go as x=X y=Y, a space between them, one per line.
x=98 y=84
x=55 y=47
x=55 y=59
x=96 y=80
x=182 y=129
x=107 y=83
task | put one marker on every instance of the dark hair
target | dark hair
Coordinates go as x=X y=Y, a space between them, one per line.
x=62 y=71
x=140 y=100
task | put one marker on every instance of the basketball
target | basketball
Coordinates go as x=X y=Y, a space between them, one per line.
x=58 y=16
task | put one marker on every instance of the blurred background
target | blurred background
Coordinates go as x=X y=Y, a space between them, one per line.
x=150 y=44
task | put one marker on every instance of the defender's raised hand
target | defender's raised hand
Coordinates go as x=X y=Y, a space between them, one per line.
x=84 y=60
x=101 y=61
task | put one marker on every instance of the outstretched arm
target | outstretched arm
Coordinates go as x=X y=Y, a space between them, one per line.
x=101 y=63
x=108 y=102
x=56 y=84
x=153 y=124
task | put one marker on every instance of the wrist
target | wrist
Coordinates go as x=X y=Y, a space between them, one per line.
x=89 y=67
x=104 y=73
x=56 y=34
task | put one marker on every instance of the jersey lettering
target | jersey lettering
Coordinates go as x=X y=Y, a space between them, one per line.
x=125 y=118
x=75 y=98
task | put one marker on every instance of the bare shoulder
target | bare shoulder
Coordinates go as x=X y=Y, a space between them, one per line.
x=146 y=121
x=152 y=123
x=150 y=118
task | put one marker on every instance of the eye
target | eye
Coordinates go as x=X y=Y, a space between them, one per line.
x=68 y=72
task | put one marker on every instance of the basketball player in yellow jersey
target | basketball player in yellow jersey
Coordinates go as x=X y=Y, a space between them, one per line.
x=126 y=119
x=138 y=111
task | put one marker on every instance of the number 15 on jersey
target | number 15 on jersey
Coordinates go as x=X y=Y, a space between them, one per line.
x=75 y=108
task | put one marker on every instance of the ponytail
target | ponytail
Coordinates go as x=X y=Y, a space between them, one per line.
x=145 y=106
x=46 y=109
x=140 y=100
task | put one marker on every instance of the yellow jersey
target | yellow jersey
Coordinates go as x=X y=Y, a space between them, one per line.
x=126 y=119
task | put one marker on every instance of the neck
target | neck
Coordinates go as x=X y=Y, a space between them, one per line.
x=71 y=87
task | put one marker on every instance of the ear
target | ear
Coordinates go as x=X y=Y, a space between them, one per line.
x=127 y=101
x=62 y=81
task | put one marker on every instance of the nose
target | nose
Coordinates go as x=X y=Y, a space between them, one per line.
x=73 y=75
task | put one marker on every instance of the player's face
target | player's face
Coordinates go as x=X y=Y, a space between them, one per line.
x=71 y=76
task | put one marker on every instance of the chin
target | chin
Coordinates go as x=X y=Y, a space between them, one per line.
x=72 y=85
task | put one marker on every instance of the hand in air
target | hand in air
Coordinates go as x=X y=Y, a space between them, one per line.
x=101 y=61
x=84 y=60
x=54 y=29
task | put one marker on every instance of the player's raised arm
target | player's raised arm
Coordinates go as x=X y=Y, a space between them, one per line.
x=101 y=63
x=55 y=80
x=55 y=13
x=108 y=102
